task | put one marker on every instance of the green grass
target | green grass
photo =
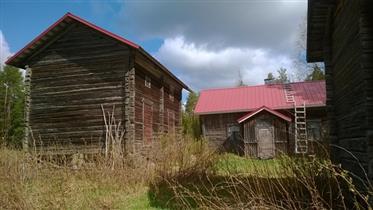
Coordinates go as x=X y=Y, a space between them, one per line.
x=229 y=164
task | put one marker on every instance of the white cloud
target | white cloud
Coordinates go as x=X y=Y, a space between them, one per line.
x=4 y=49
x=200 y=67
x=218 y=23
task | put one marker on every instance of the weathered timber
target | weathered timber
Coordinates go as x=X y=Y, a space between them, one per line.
x=81 y=72
x=345 y=44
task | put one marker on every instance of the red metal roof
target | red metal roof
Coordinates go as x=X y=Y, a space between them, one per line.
x=253 y=113
x=19 y=58
x=249 y=98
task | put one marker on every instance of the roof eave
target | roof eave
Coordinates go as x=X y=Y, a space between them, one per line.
x=150 y=57
x=314 y=51
x=249 y=110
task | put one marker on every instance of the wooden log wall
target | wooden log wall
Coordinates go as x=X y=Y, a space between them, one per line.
x=147 y=107
x=347 y=86
x=215 y=126
x=164 y=98
x=71 y=79
x=366 y=31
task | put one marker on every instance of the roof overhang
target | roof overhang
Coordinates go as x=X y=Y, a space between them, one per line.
x=20 y=59
x=261 y=109
x=317 y=20
x=290 y=107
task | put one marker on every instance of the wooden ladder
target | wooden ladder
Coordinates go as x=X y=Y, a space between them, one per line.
x=289 y=93
x=301 y=142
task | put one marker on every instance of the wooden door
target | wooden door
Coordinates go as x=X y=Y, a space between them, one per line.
x=265 y=143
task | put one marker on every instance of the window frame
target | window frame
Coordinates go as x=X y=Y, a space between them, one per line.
x=148 y=81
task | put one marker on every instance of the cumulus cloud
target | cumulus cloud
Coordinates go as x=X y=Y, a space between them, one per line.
x=219 y=24
x=4 y=49
x=201 y=67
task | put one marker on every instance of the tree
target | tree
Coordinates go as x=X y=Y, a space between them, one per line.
x=240 y=80
x=270 y=76
x=191 y=102
x=282 y=76
x=191 y=125
x=316 y=74
x=11 y=106
x=303 y=68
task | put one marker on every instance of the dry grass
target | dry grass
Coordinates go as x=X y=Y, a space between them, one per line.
x=32 y=181
x=179 y=174
x=285 y=183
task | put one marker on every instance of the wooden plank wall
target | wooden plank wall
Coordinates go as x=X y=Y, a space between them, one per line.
x=278 y=128
x=70 y=81
x=215 y=126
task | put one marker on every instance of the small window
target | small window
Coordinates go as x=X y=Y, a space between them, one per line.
x=148 y=82
x=232 y=128
x=171 y=94
x=314 y=130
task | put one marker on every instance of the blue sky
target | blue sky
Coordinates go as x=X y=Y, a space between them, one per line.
x=199 y=41
x=21 y=21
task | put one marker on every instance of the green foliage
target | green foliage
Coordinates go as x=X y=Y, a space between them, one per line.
x=282 y=75
x=191 y=124
x=11 y=106
x=316 y=74
x=191 y=102
x=270 y=76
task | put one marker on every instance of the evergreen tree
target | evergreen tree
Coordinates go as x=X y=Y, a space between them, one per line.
x=270 y=76
x=316 y=74
x=11 y=106
x=282 y=75
x=191 y=125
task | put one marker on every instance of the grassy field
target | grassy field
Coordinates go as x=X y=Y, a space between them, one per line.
x=185 y=176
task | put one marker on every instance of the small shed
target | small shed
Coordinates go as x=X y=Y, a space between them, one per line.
x=265 y=132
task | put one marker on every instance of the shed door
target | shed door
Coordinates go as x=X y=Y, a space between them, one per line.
x=265 y=143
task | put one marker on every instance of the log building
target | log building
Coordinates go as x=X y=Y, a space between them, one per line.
x=74 y=69
x=340 y=34
x=268 y=120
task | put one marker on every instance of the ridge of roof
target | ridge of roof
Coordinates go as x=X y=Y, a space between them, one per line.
x=260 y=109
x=261 y=85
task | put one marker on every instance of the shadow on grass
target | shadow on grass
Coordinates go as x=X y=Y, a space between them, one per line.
x=193 y=190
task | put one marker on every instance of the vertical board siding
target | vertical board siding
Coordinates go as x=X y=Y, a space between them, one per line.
x=71 y=79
